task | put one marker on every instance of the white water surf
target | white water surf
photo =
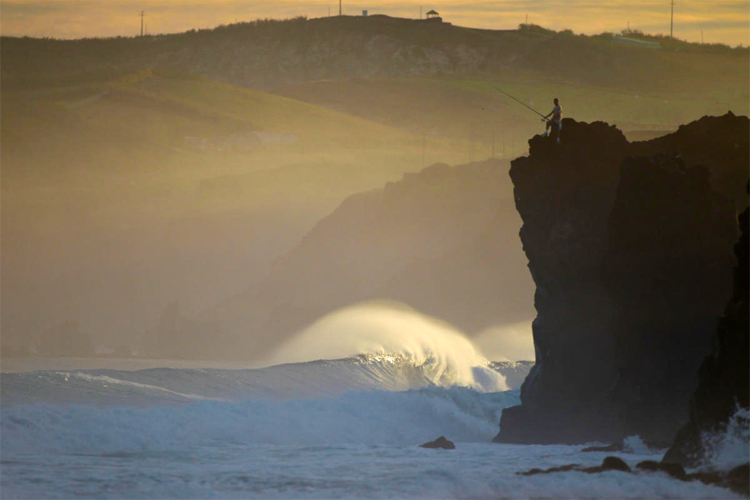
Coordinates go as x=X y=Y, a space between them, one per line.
x=326 y=428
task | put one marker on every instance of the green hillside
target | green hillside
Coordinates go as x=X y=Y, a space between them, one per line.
x=457 y=109
x=175 y=130
x=266 y=53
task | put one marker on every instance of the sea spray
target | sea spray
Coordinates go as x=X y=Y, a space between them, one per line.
x=393 y=330
x=730 y=445
x=509 y=342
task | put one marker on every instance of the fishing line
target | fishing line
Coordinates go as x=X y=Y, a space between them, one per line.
x=518 y=101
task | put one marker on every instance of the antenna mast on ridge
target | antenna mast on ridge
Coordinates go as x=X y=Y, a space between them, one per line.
x=671 y=23
x=340 y=7
x=142 y=22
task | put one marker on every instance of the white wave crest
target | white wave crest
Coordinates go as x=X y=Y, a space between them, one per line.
x=393 y=330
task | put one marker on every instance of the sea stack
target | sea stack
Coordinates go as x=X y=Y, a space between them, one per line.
x=630 y=247
x=724 y=385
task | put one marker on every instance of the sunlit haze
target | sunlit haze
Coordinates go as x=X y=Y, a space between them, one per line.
x=713 y=21
x=300 y=248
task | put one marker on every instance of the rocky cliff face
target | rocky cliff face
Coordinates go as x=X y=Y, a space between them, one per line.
x=717 y=142
x=630 y=248
x=724 y=385
x=666 y=268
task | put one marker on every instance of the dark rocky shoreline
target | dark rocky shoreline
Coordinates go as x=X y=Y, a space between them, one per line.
x=736 y=479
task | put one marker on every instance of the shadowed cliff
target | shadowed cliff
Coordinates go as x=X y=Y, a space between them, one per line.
x=724 y=385
x=630 y=248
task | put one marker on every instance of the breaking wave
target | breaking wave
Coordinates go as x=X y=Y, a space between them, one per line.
x=322 y=378
x=371 y=374
x=362 y=417
x=389 y=329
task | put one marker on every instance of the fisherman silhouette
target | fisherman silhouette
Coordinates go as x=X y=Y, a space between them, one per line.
x=556 y=115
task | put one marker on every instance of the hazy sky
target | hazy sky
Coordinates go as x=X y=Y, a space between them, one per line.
x=725 y=21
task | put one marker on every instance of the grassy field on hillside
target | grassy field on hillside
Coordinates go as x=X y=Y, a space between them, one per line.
x=164 y=130
x=461 y=108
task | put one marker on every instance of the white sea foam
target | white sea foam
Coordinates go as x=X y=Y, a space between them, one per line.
x=345 y=428
x=233 y=468
x=388 y=329
x=730 y=446
x=371 y=417
x=125 y=385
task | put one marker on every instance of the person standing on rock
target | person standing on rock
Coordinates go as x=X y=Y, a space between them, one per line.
x=556 y=115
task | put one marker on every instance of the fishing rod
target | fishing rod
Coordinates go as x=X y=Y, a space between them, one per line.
x=519 y=101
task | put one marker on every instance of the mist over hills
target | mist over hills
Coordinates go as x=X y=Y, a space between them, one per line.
x=154 y=188
x=351 y=206
x=143 y=172
x=442 y=240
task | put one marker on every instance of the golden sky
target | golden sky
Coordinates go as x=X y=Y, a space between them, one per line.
x=723 y=21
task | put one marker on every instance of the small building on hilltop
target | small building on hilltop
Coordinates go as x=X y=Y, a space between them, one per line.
x=434 y=17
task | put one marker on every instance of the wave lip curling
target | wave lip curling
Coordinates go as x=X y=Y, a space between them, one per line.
x=390 y=331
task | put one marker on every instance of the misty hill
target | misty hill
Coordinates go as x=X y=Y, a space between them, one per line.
x=443 y=241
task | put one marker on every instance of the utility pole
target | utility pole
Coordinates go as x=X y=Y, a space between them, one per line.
x=339 y=7
x=671 y=23
x=472 y=140
x=701 y=37
x=142 y=22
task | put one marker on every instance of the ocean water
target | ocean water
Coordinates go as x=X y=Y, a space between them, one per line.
x=347 y=428
x=348 y=425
